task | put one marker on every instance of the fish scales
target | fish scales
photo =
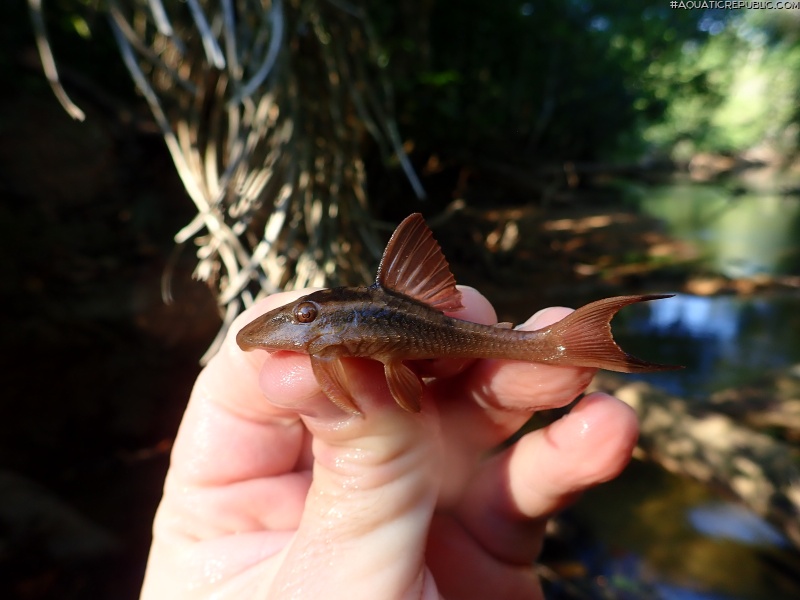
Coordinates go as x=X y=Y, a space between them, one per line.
x=401 y=318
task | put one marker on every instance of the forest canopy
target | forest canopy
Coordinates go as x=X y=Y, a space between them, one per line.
x=563 y=80
x=583 y=80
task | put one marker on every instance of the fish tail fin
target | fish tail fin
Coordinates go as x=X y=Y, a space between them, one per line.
x=584 y=338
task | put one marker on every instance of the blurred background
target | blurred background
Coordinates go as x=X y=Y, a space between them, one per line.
x=561 y=151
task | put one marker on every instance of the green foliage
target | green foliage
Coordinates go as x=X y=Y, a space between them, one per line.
x=748 y=95
x=547 y=78
x=550 y=80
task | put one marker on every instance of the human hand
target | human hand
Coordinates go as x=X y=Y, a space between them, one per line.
x=400 y=505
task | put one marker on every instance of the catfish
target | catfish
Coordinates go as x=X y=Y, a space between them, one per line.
x=401 y=317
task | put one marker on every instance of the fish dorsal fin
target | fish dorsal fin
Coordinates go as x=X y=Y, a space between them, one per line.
x=413 y=265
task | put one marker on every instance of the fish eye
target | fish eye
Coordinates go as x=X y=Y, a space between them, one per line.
x=305 y=312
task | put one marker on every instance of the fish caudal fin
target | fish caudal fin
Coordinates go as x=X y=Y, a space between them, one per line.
x=584 y=338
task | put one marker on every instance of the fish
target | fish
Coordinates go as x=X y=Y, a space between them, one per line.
x=401 y=318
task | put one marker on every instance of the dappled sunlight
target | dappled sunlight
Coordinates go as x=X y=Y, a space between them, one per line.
x=584 y=224
x=566 y=152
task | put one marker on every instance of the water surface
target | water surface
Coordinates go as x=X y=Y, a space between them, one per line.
x=673 y=533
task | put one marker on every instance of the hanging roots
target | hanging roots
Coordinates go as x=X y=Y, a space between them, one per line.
x=264 y=106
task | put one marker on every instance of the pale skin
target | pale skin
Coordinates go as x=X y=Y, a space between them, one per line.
x=400 y=505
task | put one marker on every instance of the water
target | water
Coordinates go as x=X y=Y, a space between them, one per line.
x=740 y=234
x=672 y=533
x=677 y=537
x=723 y=341
x=729 y=521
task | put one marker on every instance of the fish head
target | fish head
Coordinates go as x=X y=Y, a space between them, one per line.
x=296 y=326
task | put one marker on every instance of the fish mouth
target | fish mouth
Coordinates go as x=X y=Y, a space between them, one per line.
x=251 y=337
x=245 y=338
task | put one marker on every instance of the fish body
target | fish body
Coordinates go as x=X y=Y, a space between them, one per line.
x=401 y=318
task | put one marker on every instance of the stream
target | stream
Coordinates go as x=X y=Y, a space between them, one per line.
x=676 y=535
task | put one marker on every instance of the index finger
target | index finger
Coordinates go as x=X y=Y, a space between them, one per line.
x=229 y=432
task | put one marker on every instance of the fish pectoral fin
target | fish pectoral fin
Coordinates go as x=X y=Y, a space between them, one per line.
x=504 y=325
x=405 y=386
x=413 y=264
x=332 y=378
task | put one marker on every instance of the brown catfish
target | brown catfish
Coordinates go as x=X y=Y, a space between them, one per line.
x=401 y=318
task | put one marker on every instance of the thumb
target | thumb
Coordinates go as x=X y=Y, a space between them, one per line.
x=374 y=489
